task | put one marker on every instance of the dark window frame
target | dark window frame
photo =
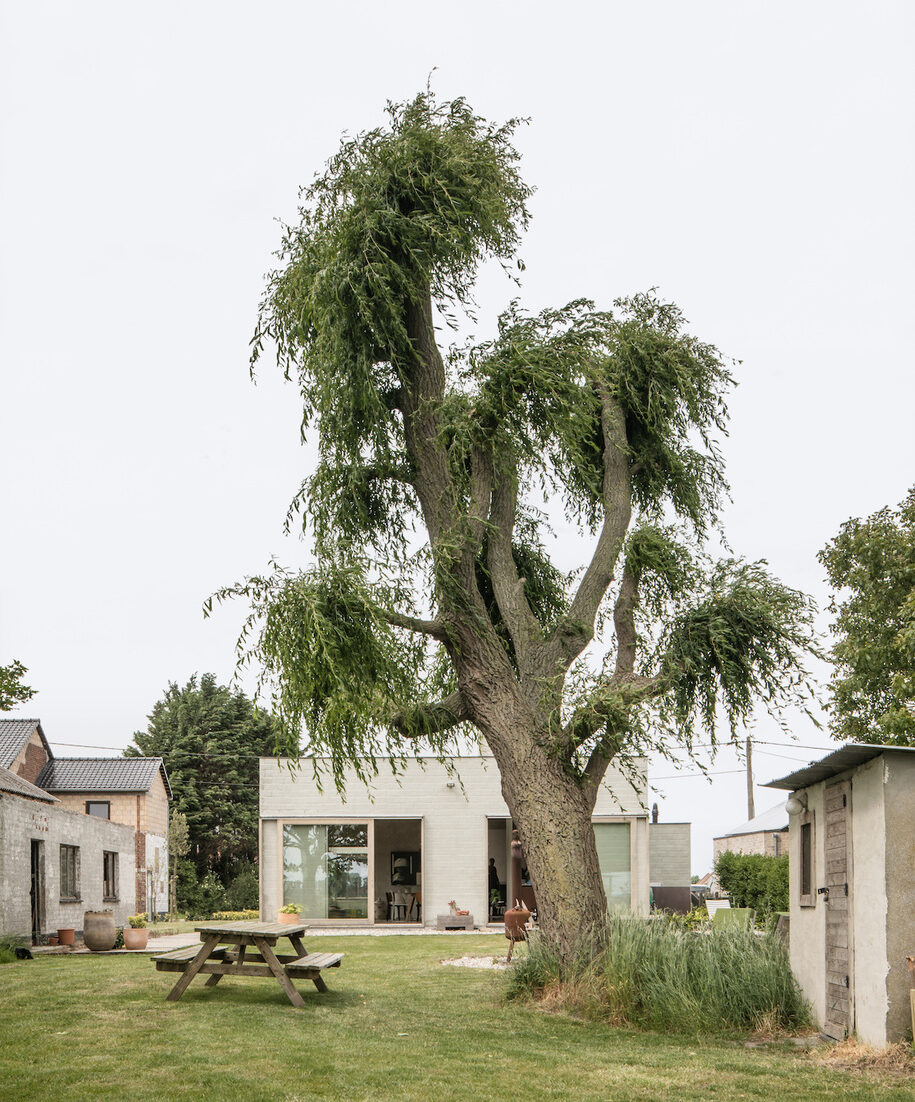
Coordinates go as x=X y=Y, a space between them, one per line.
x=99 y=803
x=110 y=876
x=806 y=860
x=69 y=874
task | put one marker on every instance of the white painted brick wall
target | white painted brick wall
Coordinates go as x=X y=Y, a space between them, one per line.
x=22 y=820
x=455 y=836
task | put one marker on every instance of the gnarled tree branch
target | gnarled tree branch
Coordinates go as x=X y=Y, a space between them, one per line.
x=420 y=720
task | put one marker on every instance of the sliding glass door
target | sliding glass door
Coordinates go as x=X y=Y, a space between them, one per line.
x=326 y=869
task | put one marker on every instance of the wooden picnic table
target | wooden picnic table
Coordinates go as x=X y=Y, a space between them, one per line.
x=238 y=960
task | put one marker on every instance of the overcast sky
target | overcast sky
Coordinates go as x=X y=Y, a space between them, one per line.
x=753 y=161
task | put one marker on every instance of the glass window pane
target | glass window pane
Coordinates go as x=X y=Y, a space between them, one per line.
x=613 y=856
x=326 y=869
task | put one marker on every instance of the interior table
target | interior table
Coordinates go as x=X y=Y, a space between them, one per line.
x=212 y=960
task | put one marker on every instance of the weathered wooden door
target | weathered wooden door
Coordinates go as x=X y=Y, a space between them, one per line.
x=36 y=889
x=838 y=1020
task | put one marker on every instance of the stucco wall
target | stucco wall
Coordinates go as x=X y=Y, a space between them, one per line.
x=22 y=820
x=669 y=854
x=899 y=776
x=455 y=824
x=808 y=924
x=868 y=897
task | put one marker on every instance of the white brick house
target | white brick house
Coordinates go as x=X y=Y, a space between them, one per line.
x=429 y=834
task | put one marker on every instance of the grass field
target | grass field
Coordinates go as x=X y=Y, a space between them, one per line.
x=395 y=1025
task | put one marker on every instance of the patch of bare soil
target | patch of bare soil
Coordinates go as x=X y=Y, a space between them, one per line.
x=894 y=1060
x=495 y=963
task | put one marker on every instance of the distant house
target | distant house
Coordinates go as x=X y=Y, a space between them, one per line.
x=766 y=834
x=77 y=834
x=852 y=889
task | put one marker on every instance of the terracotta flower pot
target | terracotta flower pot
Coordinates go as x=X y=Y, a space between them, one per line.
x=99 y=931
x=135 y=939
x=289 y=919
x=53 y=939
x=66 y=935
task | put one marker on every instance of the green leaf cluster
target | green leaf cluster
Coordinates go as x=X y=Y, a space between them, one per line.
x=871 y=565
x=12 y=691
x=210 y=738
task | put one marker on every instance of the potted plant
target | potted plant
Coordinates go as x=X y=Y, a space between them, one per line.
x=136 y=935
x=290 y=913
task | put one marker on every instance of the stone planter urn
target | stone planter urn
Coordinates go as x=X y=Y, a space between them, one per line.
x=99 y=931
x=135 y=939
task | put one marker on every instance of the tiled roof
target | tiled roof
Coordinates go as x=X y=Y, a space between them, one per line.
x=102 y=775
x=10 y=782
x=14 y=734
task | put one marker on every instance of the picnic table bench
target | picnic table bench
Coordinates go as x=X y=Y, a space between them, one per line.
x=249 y=953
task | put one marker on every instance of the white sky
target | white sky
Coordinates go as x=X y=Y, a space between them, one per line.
x=754 y=161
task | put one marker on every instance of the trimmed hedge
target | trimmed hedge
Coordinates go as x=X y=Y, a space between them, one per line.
x=754 y=880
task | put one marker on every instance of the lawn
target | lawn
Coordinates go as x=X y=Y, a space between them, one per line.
x=395 y=1025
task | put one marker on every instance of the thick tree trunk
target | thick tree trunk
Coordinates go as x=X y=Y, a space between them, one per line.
x=553 y=817
x=552 y=811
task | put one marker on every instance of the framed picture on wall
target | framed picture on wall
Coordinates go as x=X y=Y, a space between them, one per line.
x=404 y=867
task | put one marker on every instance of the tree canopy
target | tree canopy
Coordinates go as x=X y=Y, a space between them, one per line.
x=12 y=691
x=433 y=606
x=210 y=738
x=871 y=565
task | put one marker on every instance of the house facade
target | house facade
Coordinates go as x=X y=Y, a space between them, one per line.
x=765 y=834
x=56 y=864
x=77 y=834
x=433 y=833
x=851 y=844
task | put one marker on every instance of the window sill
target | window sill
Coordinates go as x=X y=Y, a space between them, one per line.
x=111 y=899
x=70 y=899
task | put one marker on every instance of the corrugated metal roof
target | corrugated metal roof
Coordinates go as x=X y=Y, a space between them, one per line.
x=14 y=734
x=846 y=757
x=102 y=775
x=11 y=782
x=776 y=818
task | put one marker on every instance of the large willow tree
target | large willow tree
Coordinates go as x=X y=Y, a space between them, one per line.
x=434 y=608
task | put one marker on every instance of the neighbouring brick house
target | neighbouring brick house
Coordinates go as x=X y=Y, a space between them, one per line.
x=55 y=864
x=77 y=806
x=134 y=791
x=765 y=834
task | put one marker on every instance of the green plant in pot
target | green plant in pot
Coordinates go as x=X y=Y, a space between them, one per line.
x=136 y=935
x=290 y=913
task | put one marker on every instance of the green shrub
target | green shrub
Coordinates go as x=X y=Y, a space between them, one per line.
x=754 y=880
x=236 y=916
x=243 y=889
x=657 y=975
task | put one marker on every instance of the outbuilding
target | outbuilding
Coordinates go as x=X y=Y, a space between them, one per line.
x=852 y=888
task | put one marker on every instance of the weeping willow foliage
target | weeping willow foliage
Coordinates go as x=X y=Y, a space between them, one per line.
x=401 y=217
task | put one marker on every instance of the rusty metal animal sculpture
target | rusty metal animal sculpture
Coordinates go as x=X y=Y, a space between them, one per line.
x=516 y=920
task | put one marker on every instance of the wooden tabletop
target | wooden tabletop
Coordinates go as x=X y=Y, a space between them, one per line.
x=247 y=929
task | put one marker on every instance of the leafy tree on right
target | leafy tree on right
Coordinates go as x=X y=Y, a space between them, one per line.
x=872 y=563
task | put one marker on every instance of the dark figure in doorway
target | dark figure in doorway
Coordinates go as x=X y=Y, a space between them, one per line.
x=493 y=875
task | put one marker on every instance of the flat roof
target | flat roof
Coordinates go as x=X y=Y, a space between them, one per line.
x=846 y=757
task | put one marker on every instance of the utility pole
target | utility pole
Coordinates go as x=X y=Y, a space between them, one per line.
x=751 y=806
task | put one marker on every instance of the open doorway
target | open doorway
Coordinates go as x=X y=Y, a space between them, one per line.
x=498 y=872
x=36 y=890
x=398 y=870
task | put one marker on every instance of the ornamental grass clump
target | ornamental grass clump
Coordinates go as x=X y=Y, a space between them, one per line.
x=657 y=975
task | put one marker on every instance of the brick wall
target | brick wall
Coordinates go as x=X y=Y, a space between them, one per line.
x=32 y=759
x=762 y=842
x=669 y=854
x=23 y=820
